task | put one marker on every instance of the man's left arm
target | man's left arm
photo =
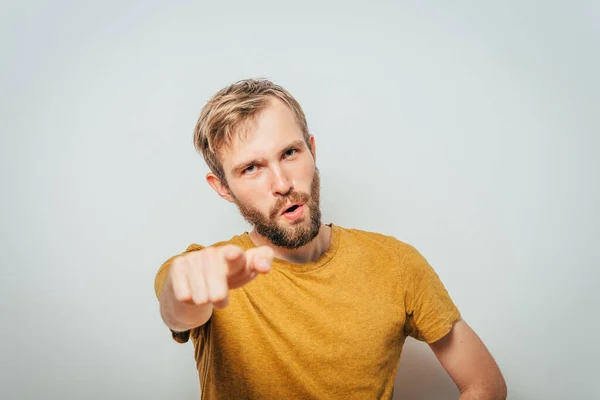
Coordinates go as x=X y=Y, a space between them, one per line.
x=470 y=365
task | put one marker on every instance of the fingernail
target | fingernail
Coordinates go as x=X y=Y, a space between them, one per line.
x=264 y=263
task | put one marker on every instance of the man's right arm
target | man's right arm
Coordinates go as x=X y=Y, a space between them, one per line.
x=199 y=281
x=180 y=315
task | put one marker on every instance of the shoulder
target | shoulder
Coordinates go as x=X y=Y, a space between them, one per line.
x=379 y=244
x=366 y=238
x=364 y=244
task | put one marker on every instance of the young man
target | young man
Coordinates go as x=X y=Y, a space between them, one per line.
x=298 y=309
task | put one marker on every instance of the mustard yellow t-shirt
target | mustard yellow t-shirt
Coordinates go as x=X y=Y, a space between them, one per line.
x=329 y=329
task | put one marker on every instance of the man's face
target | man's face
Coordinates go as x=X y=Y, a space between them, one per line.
x=273 y=179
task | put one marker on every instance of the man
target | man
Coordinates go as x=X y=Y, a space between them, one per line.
x=298 y=309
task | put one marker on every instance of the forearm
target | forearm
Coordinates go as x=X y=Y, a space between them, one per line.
x=180 y=316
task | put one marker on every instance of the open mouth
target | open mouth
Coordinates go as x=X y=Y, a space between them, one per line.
x=291 y=209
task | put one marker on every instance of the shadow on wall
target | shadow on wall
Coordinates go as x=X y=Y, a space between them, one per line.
x=421 y=376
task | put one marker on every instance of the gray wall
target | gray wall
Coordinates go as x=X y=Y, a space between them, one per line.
x=468 y=130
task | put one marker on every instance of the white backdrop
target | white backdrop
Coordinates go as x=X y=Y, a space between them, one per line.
x=470 y=131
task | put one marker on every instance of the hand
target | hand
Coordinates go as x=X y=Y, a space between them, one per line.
x=205 y=276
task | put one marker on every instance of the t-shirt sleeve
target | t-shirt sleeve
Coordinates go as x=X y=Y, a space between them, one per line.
x=159 y=281
x=430 y=311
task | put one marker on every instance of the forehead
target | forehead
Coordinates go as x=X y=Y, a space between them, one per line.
x=268 y=133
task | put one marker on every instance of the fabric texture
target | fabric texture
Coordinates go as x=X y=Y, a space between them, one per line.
x=329 y=329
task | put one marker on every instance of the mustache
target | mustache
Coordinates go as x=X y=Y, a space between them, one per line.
x=293 y=197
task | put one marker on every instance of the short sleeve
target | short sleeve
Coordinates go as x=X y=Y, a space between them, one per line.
x=159 y=281
x=430 y=311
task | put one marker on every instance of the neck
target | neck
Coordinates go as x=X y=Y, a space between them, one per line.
x=307 y=253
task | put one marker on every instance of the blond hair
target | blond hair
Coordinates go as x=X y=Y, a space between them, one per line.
x=230 y=110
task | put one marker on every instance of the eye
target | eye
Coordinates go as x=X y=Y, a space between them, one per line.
x=290 y=152
x=249 y=169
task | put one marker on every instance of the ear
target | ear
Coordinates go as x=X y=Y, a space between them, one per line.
x=219 y=187
x=313 y=147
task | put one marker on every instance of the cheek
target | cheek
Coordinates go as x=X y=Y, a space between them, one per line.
x=305 y=176
x=254 y=195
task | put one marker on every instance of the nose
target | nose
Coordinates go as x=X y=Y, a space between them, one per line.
x=281 y=184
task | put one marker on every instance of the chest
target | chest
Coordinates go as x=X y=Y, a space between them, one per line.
x=309 y=323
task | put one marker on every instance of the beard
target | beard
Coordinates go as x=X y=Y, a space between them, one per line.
x=302 y=231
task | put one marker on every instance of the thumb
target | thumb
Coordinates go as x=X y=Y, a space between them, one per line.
x=235 y=258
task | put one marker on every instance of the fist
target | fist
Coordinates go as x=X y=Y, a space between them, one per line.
x=205 y=276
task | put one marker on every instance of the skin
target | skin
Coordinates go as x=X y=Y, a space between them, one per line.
x=266 y=170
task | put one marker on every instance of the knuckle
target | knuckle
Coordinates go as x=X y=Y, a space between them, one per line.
x=198 y=260
x=209 y=251
x=231 y=250
x=180 y=296
x=182 y=262
x=209 y=257
x=177 y=262
x=199 y=298
x=228 y=247
x=218 y=297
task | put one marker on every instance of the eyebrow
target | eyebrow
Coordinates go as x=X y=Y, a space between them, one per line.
x=243 y=165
